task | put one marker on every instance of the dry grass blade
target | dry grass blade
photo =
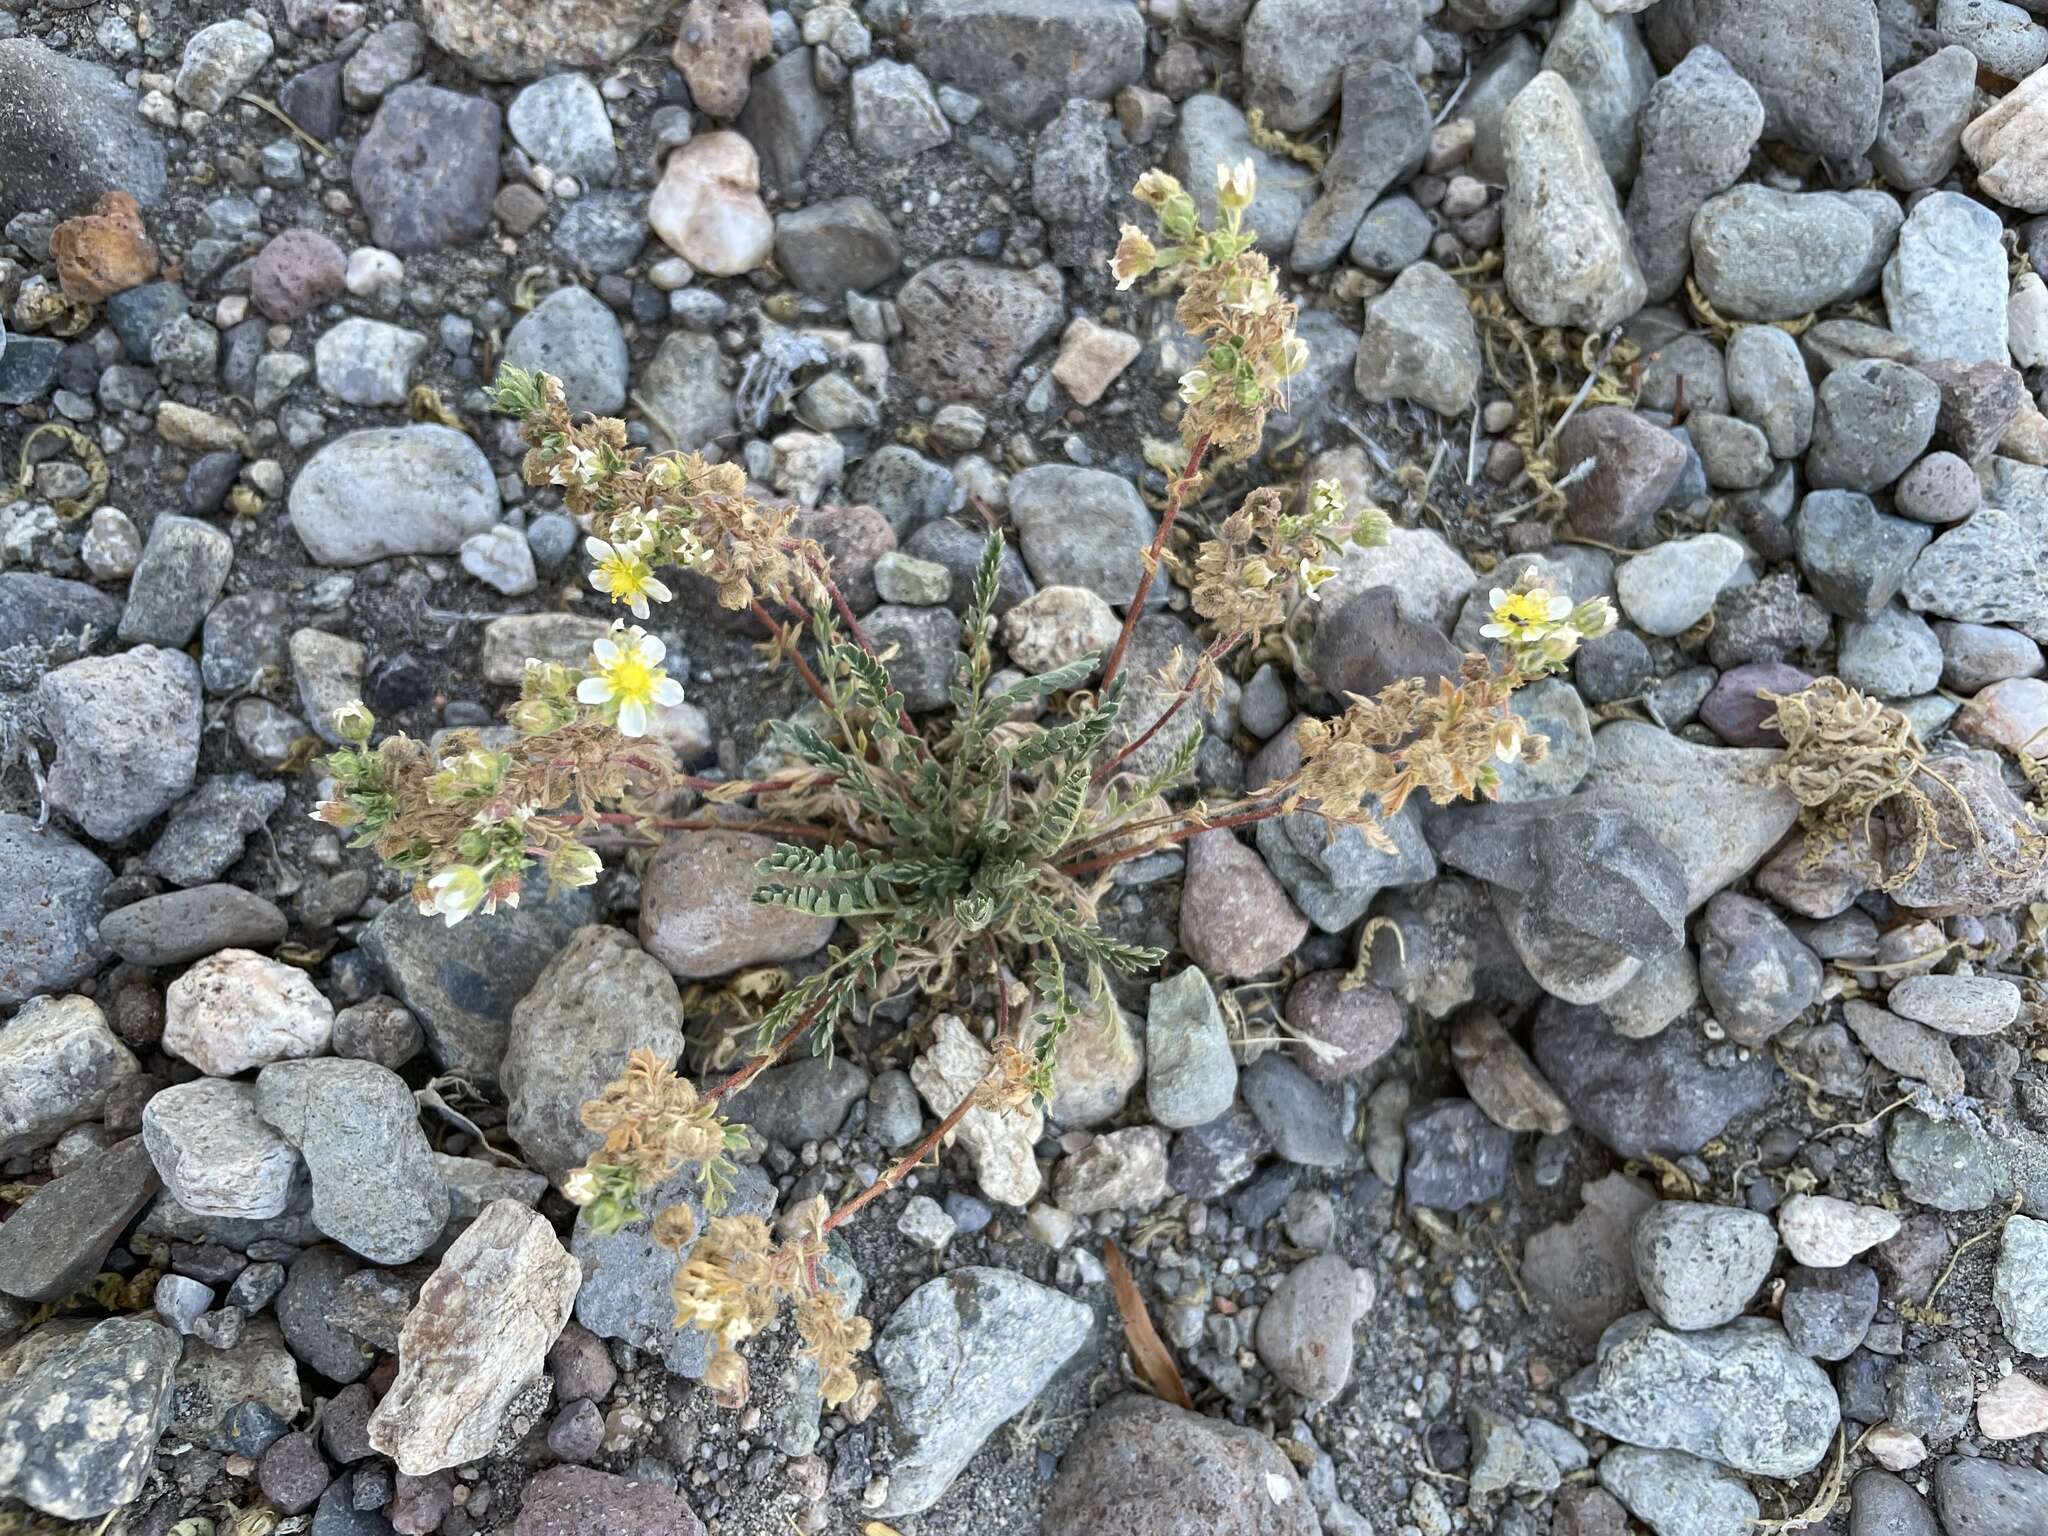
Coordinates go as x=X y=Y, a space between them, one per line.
x=1153 y=1359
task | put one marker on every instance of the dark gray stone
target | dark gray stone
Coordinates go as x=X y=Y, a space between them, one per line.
x=1456 y=1157
x=50 y=890
x=1027 y=58
x=427 y=169
x=56 y=1241
x=78 y=1428
x=69 y=133
x=834 y=246
x=1381 y=136
x=1854 y=556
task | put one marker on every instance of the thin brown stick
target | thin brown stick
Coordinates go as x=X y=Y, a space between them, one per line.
x=1181 y=486
x=796 y=657
x=767 y=1058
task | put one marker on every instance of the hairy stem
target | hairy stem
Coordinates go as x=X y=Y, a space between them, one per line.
x=796 y=656
x=1165 y=839
x=777 y=1048
x=1182 y=484
x=1215 y=653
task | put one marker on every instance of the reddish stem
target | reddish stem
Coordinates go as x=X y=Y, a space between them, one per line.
x=1215 y=653
x=1181 y=485
x=1179 y=834
x=796 y=657
x=767 y=1058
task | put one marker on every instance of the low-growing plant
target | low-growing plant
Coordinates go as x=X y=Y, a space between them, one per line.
x=977 y=837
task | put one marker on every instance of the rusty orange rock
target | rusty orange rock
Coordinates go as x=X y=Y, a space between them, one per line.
x=105 y=252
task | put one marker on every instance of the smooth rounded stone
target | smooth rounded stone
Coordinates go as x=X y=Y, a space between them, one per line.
x=375 y=1186
x=707 y=207
x=968 y=325
x=1738 y=1395
x=1855 y=557
x=561 y=123
x=1058 y=625
x=182 y=570
x=1981 y=1497
x=1885 y=1505
x=1341 y=1033
x=1582 y=1271
x=1941 y=488
x=1496 y=79
x=1235 y=918
x=427 y=169
x=1304 y=1333
x=928 y=654
x=125 y=730
x=1190 y=1075
x=389 y=57
x=1569 y=261
x=51 y=613
x=214 y=1152
x=2008 y=716
x=59 y=1238
x=1637 y=465
x=1212 y=131
x=1755 y=973
x=1393 y=234
x=962 y=1355
x=1894 y=656
x=2026 y=320
x=599 y=1000
x=2012 y=1408
x=1920 y=124
x=1679 y=1495
x=1456 y=1157
x=1699 y=1265
x=604 y=231
x=1762 y=254
x=1769 y=387
x=894 y=114
x=697 y=914
x=476 y=1339
x=219 y=61
x=1734 y=455
x=70 y=134
x=1602 y=58
x=572 y=1501
x=1683 y=374
x=49 y=910
x=1429 y=580
x=1641 y=1096
x=901 y=578
x=384 y=491
x=79 y=1420
x=1293 y=85
x=1823 y=1232
x=1672 y=586
x=1872 y=420
x=236 y=1009
x=1657 y=995
x=1420 y=343
x=1142 y=1467
x=1025 y=59
x=297 y=272
x=834 y=246
x=1956 y=1005
x=1910 y=1049
x=58 y=1063
x=1083 y=528
x=500 y=558
x=807 y=1100
x=1945 y=285
x=1977 y=656
x=2003 y=38
x=1816 y=67
x=1304 y=1121
x=1827 y=1312
x=573 y=335
x=683 y=386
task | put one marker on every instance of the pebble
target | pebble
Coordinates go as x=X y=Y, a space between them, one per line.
x=1235 y=919
x=1945 y=285
x=839 y=244
x=2003 y=143
x=1755 y=973
x=1827 y=1312
x=1117 y=1171
x=2020 y=1284
x=566 y=1501
x=1957 y=1005
x=1382 y=137
x=1672 y=586
x=1091 y=358
x=1872 y=420
x=1679 y=1495
x=1738 y=1395
x=1884 y=1505
x=2012 y=1408
x=384 y=491
x=1981 y=1497
x=1699 y=1265
x=1816 y=67
x=1569 y=261
x=236 y=1009
x=58 y=1239
x=74 y=133
x=1026 y=59
x=573 y=335
x=1824 y=1232
x=1636 y=466
x=894 y=114
x=375 y=1186
x=1855 y=557
x=1190 y=1076
x=1456 y=1157
x=1420 y=343
x=215 y=1154
x=1763 y=254
x=959 y=1357
x=48 y=910
x=707 y=207
x=1057 y=625
x=998 y=1145
x=477 y=1338
x=125 y=730
x=560 y=121
x=427 y=169
x=1304 y=1332
x=79 y=1422
x=969 y=325
x=219 y=61
x=1909 y=1049
x=1895 y=655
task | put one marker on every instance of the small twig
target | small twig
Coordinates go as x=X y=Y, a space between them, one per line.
x=286 y=118
x=1970 y=1242
x=1182 y=483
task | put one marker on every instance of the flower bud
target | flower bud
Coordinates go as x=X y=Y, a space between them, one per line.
x=1236 y=185
x=354 y=722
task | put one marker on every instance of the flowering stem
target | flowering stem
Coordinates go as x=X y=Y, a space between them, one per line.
x=1215 y=653
x=944 y=1128
x=776 y=1050
x=1179 y=834
x=1181 y=485
x=796 y=657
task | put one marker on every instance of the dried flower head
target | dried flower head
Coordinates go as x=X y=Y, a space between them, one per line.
x=653 y=1122
x=1264 y=552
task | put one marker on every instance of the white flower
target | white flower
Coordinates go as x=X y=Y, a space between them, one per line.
x=628 y=679
x=454 y=893
x=624 y=574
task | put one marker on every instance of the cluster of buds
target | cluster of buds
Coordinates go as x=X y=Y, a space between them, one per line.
x=645 y=514
x=1230 y=298
x=1447 y=742
x=653 y=1123
x=1267 y=549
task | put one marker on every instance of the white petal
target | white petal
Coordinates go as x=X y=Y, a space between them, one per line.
x=632 y=718
x=594 y=690
x=597 y=549
x=652 y=650
x=639 y=607
x=668 y=693
x=606 y=651
x=1496 y=597
x=658 y=589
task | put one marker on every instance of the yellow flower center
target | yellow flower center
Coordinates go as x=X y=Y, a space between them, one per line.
x=632 y=679
x=1523 y=611
x=627 y=575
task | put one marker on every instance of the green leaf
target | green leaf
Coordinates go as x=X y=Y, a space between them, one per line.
x=1046 y=684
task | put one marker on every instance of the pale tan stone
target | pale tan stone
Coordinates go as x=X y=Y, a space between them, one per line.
x=1091 y=357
